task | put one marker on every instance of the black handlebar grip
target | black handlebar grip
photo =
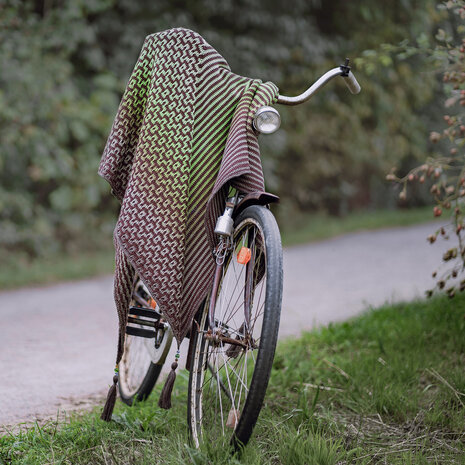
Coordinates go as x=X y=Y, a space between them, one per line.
x=352 y=83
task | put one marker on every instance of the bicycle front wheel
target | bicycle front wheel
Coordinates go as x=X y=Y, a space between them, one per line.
x=230 y=370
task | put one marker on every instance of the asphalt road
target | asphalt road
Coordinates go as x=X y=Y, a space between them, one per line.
x=57 y=343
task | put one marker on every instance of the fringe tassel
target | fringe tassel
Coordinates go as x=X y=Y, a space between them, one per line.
x=111 y=400
x=164 y=401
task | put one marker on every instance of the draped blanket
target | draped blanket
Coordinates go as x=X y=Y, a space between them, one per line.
x=181 y=137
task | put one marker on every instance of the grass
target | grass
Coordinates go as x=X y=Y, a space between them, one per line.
x=318 y=226
x=386 y=387
x=305 y=228
x=59 y=267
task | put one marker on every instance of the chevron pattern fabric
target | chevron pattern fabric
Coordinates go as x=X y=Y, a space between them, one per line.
x=182 y=135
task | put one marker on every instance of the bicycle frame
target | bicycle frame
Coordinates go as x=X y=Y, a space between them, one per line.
x=224 y=223
x=224 y=229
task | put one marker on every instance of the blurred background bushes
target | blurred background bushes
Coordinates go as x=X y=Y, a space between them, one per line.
x=64 y=65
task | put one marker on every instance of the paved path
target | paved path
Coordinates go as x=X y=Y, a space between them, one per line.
x=57 y=344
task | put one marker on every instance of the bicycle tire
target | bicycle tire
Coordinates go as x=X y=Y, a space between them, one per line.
x=139 y=368
x=207 y=421
x=145 y=388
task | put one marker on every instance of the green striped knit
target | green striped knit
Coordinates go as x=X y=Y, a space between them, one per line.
x=181 y=137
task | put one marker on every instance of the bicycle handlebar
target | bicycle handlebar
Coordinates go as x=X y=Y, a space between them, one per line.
x=343 y=70
x=352 y=83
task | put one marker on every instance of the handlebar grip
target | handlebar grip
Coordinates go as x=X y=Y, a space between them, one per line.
x=352 y=83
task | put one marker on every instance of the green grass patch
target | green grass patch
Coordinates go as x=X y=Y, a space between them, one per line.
x=386 y=387
x=17 y=272
x=299 y=229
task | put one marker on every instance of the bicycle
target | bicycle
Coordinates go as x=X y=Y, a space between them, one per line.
x=234 y=336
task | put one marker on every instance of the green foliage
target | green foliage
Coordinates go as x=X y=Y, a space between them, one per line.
x=338 y=146
x=63 y=66
x=444 y=171
x=54 y=118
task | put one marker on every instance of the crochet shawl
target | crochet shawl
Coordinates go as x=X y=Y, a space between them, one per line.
x=181 y=137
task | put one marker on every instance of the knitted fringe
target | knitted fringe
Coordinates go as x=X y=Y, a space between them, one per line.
x=110 y=402
x=165 y=396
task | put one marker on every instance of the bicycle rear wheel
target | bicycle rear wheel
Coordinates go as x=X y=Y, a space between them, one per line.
x=229 y=374
x=143 y=358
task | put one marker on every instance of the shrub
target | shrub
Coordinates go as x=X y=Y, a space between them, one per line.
x=445 y=171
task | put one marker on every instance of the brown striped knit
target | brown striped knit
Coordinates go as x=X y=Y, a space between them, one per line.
x=182 y=135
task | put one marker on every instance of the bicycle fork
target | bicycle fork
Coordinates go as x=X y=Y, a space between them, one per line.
x=224 y=229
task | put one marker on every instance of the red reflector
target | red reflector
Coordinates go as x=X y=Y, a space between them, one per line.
x=244 y=255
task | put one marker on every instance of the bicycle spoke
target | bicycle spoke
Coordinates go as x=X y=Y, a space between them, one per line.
x=230 y=396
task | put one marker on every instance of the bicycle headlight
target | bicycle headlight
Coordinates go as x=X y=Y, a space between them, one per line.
x=266 y=120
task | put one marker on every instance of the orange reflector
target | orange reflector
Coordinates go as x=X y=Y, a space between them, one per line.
x=243 y=257
x=152 y=303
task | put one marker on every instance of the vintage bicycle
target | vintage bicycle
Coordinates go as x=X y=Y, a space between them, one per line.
x=234 y=335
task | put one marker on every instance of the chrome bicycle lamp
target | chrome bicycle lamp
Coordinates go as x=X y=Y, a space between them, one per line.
x=266 y=120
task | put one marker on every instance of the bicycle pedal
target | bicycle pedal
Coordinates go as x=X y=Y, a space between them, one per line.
x=140 y=332
x=142 y=316
x=145 y=312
